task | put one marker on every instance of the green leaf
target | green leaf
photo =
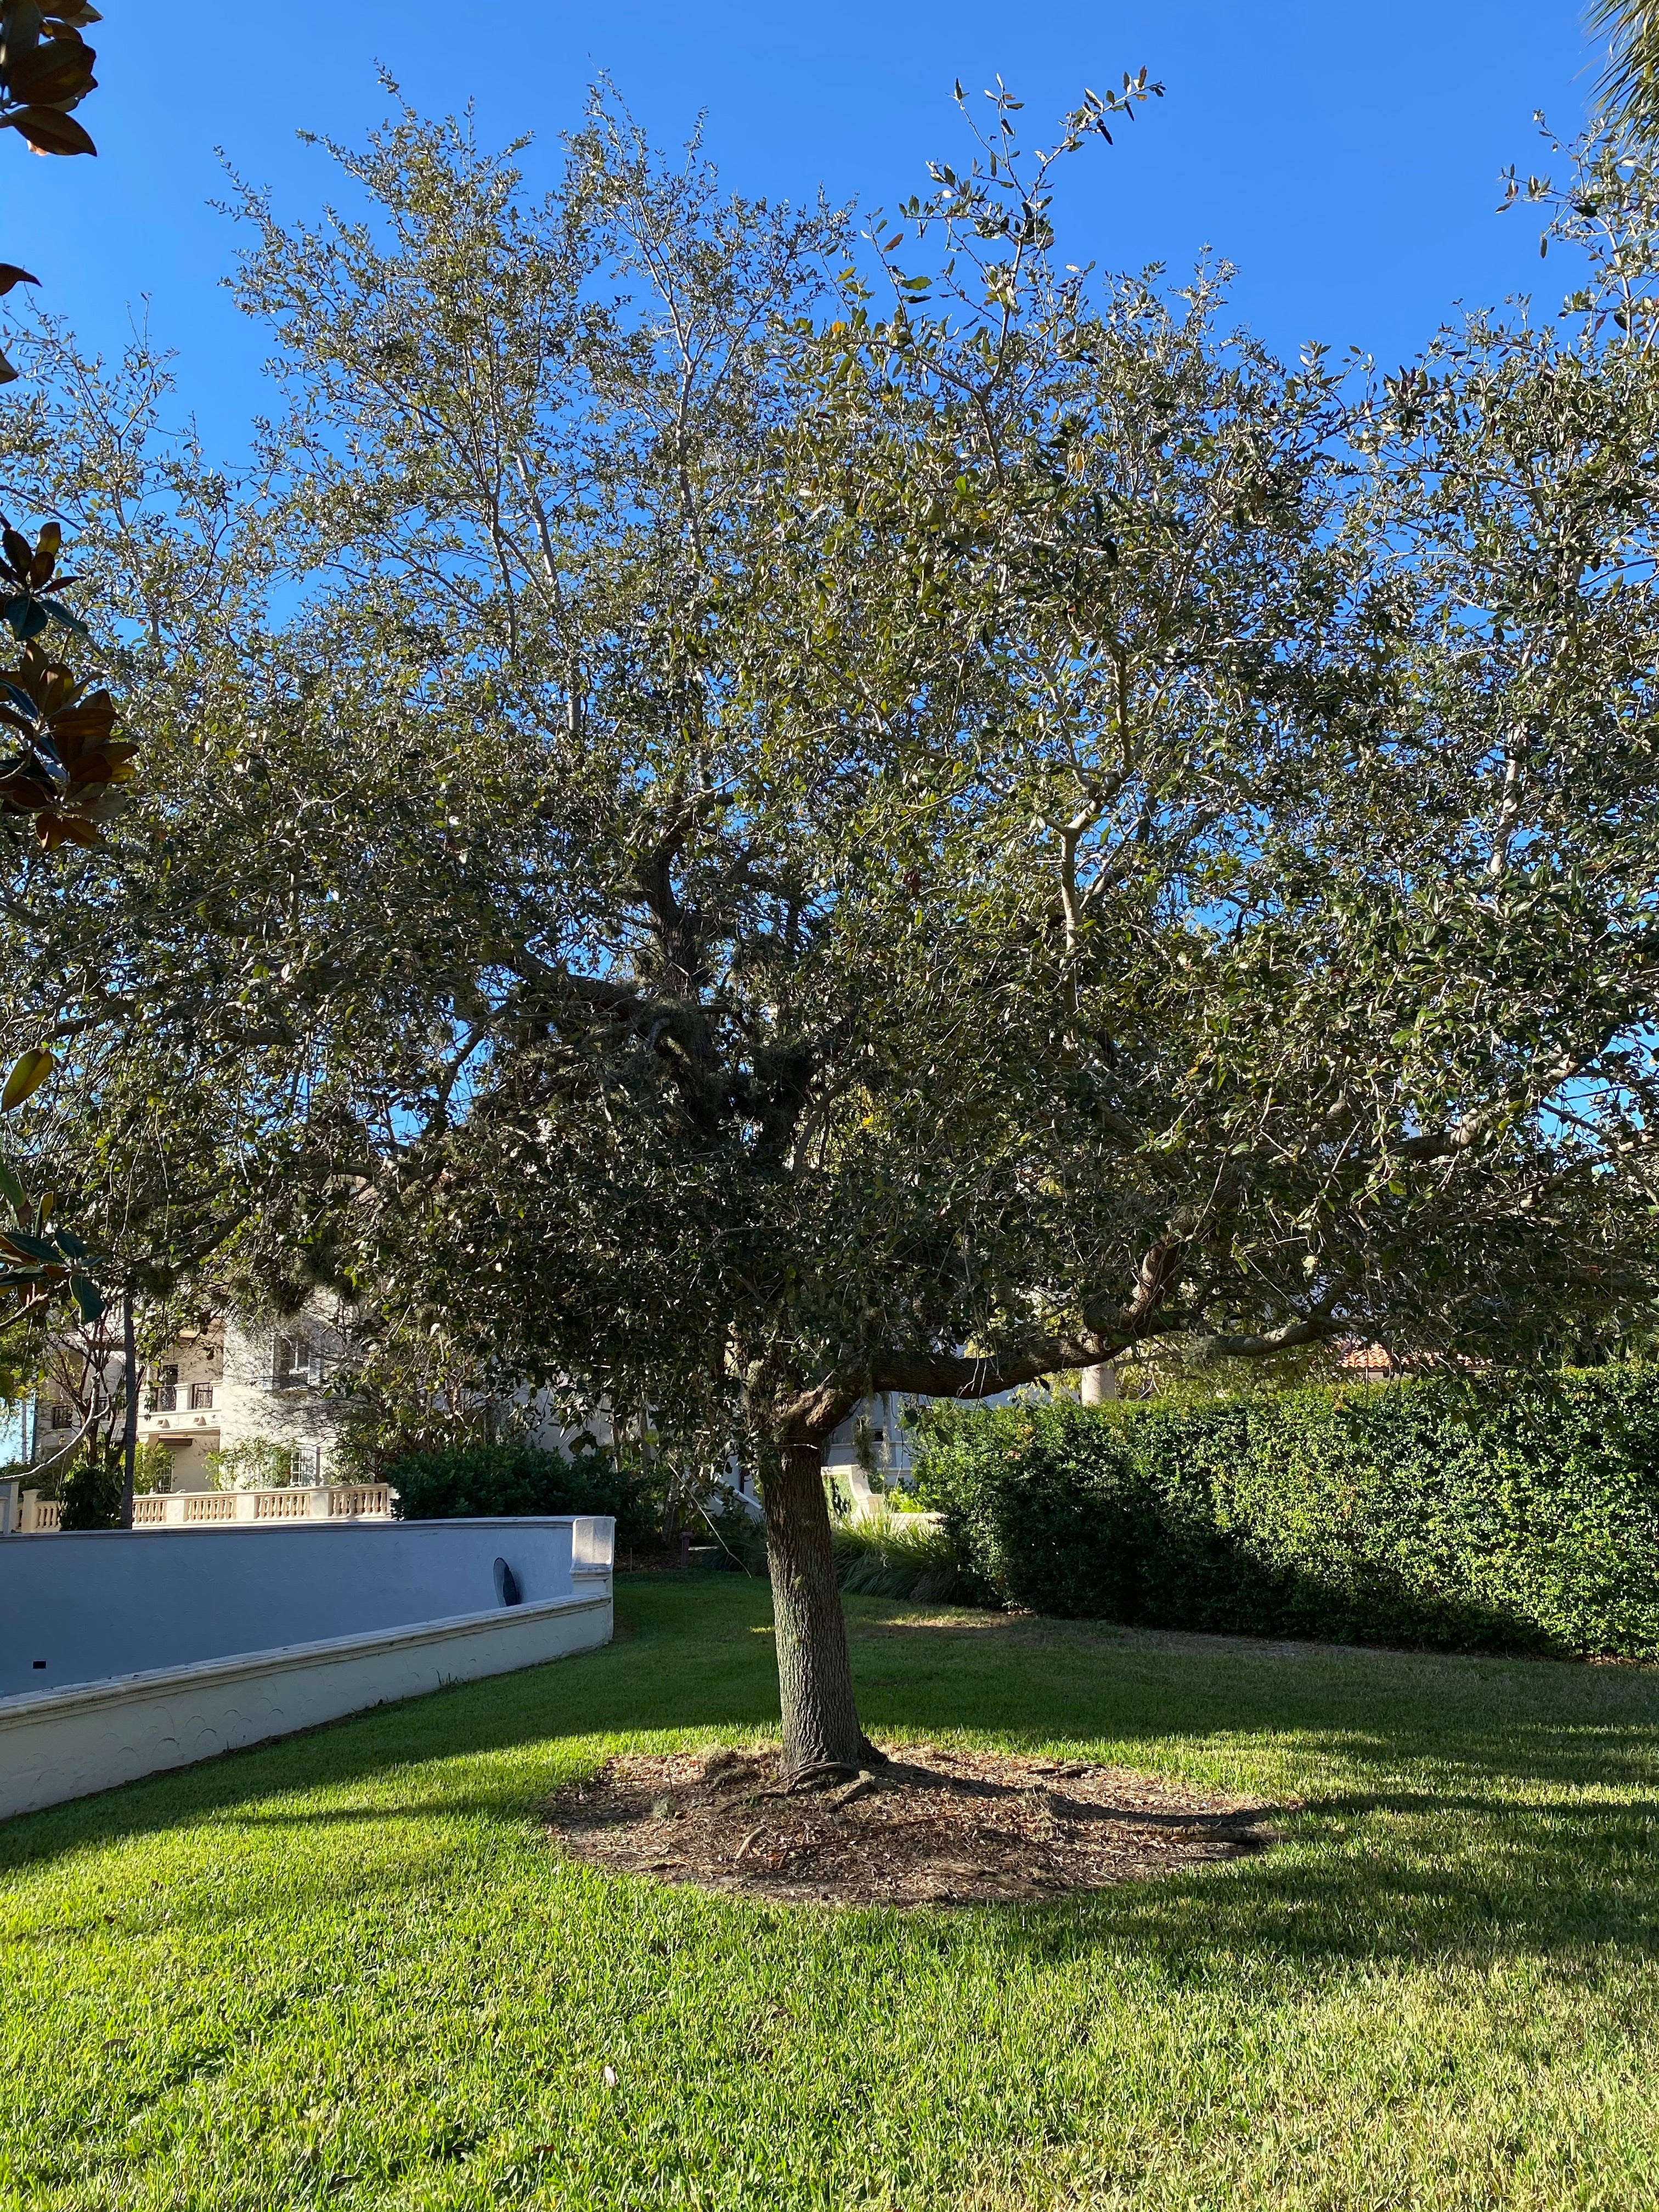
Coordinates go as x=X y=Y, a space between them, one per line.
x=87 y=1297
x=31 y=1247
x=64 y=619
x=19 y=698
x=56 y=75
x=26 y=1076
x=25 y=615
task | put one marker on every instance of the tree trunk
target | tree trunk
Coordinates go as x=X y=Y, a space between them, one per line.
x=1096 y=1386
x=821 y=1731
x=130 y=1432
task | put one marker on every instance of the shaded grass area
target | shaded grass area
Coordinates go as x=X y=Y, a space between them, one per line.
x=347 y=1970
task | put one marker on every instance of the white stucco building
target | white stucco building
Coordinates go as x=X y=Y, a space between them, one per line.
x=225 y=1385
x=874 y=1447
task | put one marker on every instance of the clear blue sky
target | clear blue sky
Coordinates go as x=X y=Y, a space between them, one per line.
x=1344 y=157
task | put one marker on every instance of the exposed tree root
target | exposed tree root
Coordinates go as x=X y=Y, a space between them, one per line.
x=925 y=1826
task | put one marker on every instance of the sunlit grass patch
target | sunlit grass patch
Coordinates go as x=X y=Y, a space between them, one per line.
x=349 y=1970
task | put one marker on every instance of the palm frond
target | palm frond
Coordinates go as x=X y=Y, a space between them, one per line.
x=1629 y=85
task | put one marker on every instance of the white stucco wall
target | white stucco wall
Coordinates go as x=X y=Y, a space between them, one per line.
x=203 y=1642
x=92 y=1606
x=60 y=1744
x=890 y=1439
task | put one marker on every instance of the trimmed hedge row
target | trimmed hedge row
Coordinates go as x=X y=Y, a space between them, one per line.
x=486 y=1481
x=1512 y=1515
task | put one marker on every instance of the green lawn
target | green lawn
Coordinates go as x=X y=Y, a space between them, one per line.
x=347 y=1970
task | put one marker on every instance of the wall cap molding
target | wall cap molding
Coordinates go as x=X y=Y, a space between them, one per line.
x=32 y=1706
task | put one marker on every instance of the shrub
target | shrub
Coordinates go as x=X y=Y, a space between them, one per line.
x=90 y=1488
x=463 y=1481
x=255 y=1464
x=90 y=1493
x=152 y=1467
x=1499 y=1513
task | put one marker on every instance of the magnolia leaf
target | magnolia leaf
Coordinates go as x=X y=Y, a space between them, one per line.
x=27 y=1247
x=10 y=371
x=28 y=616
x=50 y=611
x=25 y=1077
x=23 y=22
x=55 y=75
x=87 y=1297
x=93 y=718
x=11 y=1189
x=49 y=130
x=11 y=275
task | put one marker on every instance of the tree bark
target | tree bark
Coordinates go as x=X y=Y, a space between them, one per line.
x=821 y=1731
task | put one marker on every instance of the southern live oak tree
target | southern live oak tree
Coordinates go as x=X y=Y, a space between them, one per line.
x=838 y=805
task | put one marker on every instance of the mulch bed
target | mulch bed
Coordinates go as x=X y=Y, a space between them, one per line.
x=927 y=1827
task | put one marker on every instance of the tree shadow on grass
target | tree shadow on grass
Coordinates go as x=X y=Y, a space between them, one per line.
x=1454 y=1808
x=1511 y=1721
x=1581 y=1892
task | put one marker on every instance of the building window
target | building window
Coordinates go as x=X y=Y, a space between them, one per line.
x=201 y=1397
x=60 y=1417
x=292 y=1364
x=164 y=1392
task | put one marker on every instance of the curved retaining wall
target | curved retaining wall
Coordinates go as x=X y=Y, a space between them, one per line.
x=171 y=1648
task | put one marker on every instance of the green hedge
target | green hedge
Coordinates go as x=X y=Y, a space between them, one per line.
x=1513 y=1514
x=488 y=1480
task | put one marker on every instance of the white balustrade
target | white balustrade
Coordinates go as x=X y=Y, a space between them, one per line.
x=228 y=1508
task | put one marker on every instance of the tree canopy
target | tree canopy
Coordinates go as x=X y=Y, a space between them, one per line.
x=747 y=805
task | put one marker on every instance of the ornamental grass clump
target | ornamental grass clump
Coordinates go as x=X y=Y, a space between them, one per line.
x=897 y=1554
